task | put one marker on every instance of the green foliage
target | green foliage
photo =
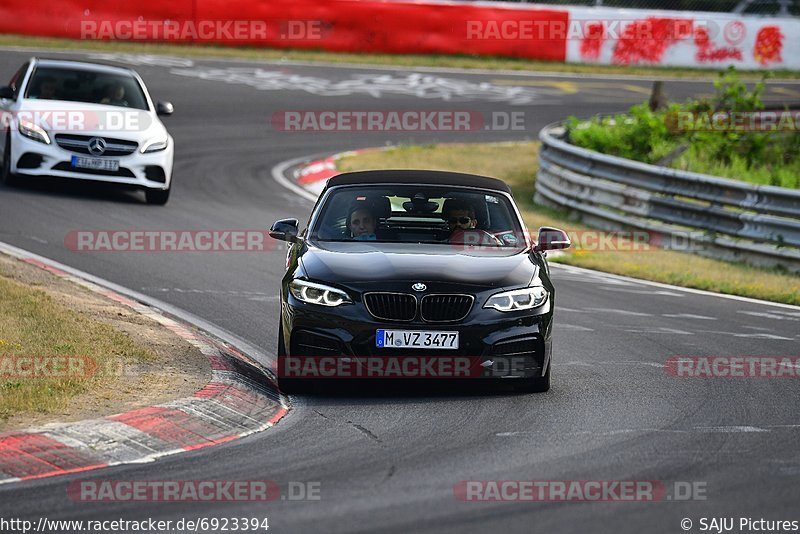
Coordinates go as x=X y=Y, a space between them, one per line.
x=641 y=134
x=761 y=157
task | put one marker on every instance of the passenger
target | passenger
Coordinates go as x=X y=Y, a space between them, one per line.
x=361 y=224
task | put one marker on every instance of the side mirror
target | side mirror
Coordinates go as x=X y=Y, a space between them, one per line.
x=551 y=239
x=285 y=230
x=6 y=92
x=165 y=108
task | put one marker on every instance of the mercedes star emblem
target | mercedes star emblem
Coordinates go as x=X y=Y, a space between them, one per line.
x=97 y=146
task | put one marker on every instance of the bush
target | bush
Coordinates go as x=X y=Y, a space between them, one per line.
x=768 y=157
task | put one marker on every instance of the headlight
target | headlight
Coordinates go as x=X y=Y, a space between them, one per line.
x=154 y=145
x=318 y=294
x=33 y=131
x=520 y=299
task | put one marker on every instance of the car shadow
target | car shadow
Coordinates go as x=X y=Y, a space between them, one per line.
x=404 y=389
x=65 y=187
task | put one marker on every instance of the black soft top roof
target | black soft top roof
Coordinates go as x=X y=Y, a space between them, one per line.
x=418 y=177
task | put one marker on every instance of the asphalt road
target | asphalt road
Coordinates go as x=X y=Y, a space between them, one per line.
x=390 y=462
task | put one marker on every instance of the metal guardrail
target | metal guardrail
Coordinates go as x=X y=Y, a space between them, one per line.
x=721 y=218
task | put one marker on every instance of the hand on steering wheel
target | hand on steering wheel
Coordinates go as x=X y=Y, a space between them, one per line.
x=475 y=237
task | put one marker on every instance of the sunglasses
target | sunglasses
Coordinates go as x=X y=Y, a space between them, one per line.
x=459 y=220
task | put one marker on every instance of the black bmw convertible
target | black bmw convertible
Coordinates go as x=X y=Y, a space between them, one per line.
x=416 y=274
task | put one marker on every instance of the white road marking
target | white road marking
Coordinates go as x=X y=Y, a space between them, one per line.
x=376 y=85
x=689 y=316
x=619 y=312
x=734 y=429
x=316 y=187
x=730 y=429
x=642 y=291
x=226 y=292
x=659 y=330
x=777 y=315
x=37 y=239
x=746 y=334
x=567 y=326
x=150 y=60
x=588 y=272
x=279 y=175
x=648 y=364
x=590 y=278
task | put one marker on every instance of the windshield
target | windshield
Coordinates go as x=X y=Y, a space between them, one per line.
x=75 y=85
x=418 y=214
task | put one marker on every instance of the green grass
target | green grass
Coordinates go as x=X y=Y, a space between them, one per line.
x=781 y=169
x=32 y=324
x=516 y=163
x=463 y=62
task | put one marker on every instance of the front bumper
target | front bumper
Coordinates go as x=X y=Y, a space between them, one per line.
x=496 y=344
x=146 y=171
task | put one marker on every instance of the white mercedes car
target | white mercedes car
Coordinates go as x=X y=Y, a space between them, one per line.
x=85 y=121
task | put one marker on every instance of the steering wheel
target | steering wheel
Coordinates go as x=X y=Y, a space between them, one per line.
x=475 y=237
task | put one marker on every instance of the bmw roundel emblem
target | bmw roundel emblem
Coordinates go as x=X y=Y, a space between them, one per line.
x=419 y=286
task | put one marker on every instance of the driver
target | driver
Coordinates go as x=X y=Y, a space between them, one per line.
x=461 y=220
x=361 y=224
x=48 y=88
x=115 y=96
x=460 y=216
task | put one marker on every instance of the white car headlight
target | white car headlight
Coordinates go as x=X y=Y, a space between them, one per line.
x=154 y=145
x=33 y=131
x=318 y=294
x=519 y=299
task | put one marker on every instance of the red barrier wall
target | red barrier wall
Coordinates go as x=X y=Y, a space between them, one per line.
x=62 y=18
x=347 y=25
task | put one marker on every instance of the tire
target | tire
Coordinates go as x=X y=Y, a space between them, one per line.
x=281 y=345
x=292 y=385
x=6 y=176
x=286 y=385
x=157 y=197
x=537 y=384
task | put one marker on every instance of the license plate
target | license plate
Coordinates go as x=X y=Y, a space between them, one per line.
x=97 y=164
x=416 y=339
